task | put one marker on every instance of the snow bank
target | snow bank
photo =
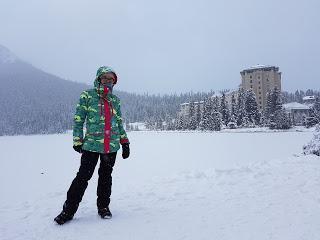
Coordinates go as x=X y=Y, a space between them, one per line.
x=313 y=147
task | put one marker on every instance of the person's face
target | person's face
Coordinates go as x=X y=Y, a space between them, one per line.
x=107 y=78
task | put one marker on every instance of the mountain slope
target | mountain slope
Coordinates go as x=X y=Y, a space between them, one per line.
x=33 y=101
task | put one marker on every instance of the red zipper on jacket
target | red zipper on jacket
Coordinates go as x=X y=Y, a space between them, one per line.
x=107 y=123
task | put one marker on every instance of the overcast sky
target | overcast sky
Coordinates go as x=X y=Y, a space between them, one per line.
x=169 y=45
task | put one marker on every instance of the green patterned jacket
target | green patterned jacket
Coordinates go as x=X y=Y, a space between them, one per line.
x=100 y=109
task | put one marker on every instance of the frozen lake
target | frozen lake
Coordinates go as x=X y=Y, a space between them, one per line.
x=167 y=188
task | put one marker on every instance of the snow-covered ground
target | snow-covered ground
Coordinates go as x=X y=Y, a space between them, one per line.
x=175 y=185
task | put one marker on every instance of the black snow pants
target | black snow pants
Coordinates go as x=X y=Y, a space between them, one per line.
x=79 y=184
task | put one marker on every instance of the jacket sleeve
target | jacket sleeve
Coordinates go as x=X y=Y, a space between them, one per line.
x=123 y=134
x=79 y=119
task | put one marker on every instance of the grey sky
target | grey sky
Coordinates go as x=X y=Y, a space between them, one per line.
x=166 y=46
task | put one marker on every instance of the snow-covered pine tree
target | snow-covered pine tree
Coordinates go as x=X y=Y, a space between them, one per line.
x=298 y=96
x=316 y=109
x=206 y=116
x=310 y=92
x=179 y=123
x=171 y=125
x=192 y=117
x=198 y=114
x=274 y=103
x=252 y=108
x=241 y=110
x=224 y=110
x=216 y=121
x=282 y=119
x=278 y=118
x=150 y=123
x=232 y=123
x=314 y=117
x=233 y=109
x=268 y=108
x=313 y=147
x=159 y=124
x=215 y=101
x=215 y=116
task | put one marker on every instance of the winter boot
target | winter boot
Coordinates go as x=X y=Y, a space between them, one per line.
x=105 y=213
x=63 y=217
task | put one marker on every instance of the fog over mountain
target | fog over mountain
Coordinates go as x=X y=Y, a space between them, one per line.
x=33 y=101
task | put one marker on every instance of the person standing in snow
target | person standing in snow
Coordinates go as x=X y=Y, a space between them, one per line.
x=100 y=109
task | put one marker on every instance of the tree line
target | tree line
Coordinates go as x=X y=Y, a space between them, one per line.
x=214 y=113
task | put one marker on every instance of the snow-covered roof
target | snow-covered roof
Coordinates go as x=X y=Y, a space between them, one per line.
x=187 y=103
x=295 y=105
x=216 y=95
x=308 y=98
x=260 y=66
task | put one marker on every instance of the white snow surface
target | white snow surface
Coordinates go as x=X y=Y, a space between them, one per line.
x=175 y=185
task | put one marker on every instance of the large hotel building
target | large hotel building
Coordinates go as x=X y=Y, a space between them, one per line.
x=261 y=79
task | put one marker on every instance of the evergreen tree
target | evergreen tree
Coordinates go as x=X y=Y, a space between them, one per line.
x=277 y=116
x=314 y=117
x=224 y=110
x=310 y=92
x=198 y=115
x=179 y=123
x=313 y=147
x=215 y=103
x=232 y=123
x=274 y=103
x=159 y=124
x=216 y=121
x=192 y=117
x=241 y=111
x=298 y=95
x=252 y=108
x=206 y=116
x=316 y=109
x=282 y=120
x=233 y=110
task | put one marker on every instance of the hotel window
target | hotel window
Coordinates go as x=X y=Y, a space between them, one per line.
x=251 y=86
x=260 y=102
x=259 y=92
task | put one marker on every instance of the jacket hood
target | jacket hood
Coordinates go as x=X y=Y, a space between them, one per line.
x=102 y=70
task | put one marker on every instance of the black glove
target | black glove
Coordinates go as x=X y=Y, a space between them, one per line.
x=78 y=148
x=125 y=150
